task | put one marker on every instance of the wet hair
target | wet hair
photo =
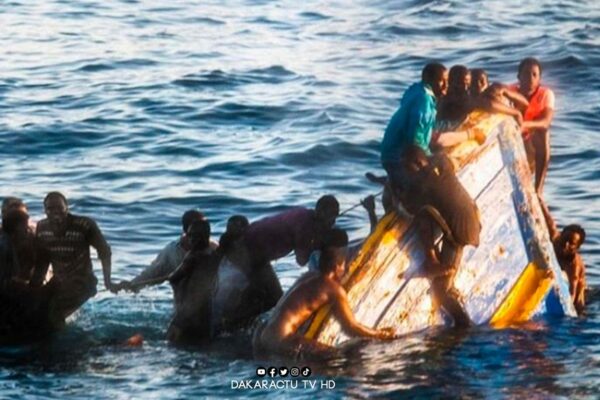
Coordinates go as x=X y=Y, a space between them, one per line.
x=55 y=195
x=190 y=216
x=574 y=228
x=204 y=228
x=432 y=72
x=528 y=63
x=10 y=203
x=236 y=228
x=328 y=206
x=457 y=74
x=334 y=250
x=14 y=218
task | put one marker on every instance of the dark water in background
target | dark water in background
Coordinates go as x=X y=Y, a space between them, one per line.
x=141 y=110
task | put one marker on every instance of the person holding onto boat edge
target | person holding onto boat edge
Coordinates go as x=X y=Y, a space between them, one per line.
x=537 y=117
x=64 y=240
x=424 y=183
x=299 y=229
x=567 y=244
x=280 y=334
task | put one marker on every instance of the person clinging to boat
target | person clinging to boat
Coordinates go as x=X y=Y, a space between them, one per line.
x=567 y=244
x=428 y=188
x=281 y=334
x=466 y=95
x=63 y=240
x=298 y=229
x=537 y=117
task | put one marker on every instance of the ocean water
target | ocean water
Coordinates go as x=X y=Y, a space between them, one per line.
x=139 y=110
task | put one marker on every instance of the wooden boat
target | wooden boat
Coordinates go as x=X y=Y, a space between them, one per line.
x=511 y=277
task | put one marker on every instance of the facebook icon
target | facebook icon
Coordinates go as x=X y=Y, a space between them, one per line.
x=272 y=372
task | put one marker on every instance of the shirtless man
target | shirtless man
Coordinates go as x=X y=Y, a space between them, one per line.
x=313 y=290
x=566 y=247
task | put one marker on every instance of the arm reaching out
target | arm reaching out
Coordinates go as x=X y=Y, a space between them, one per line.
x=345 y=316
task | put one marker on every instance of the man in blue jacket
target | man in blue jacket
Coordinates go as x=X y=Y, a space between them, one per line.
x=428 y=188
x=412 y=123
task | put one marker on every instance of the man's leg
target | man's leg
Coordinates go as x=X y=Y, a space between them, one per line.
x=68 y=294
x=541 y=142
x=426 y=230
x=530 y=152
x=443 y=285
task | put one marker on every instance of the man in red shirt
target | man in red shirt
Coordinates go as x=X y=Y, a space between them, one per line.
x=537 y=118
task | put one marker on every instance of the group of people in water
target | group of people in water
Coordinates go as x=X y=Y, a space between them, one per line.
x=225 y=285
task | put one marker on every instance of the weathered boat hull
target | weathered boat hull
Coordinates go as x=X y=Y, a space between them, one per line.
x=512 y=275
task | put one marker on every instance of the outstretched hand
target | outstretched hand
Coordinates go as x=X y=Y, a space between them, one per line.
x=368 y=203
x=123 y=285
x=113 y=287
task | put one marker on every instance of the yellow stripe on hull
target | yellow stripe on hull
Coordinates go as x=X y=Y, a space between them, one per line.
x=524 y=297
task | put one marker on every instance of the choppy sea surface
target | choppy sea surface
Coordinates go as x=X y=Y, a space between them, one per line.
x=139 y=110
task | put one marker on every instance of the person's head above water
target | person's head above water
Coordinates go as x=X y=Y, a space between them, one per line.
x=199 y=234
x=571 y=238
x=529 y=75
x=190 y=216
x=459 y=79
x=479 y=81
x=327 y=210
x=56 y=207
x=236 y=225
x=436 y=76
x=12 y=203
x=15 y=220
x=333 y=253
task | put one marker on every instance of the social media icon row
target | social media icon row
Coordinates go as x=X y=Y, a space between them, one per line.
x=283 y=371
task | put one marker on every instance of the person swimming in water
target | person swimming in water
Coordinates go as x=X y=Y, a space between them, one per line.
x=281 y=335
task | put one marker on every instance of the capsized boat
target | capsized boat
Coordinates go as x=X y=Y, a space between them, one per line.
x=510 y=278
